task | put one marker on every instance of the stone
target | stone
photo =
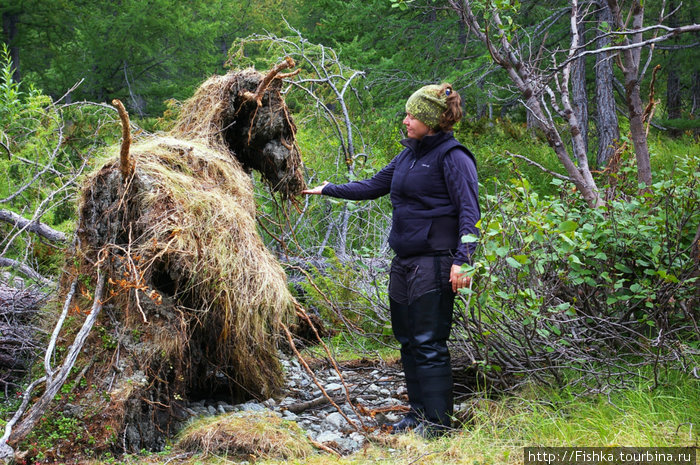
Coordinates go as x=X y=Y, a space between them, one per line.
x=328 y=436
x=251 y=407
x=333 y=387
x=336 y=420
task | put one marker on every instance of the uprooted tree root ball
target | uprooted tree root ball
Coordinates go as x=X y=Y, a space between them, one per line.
x=194 y=302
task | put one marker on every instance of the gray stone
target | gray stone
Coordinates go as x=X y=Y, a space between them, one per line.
x=336 y=420
x=333 y=387
x=251 y=407
x=328 y=436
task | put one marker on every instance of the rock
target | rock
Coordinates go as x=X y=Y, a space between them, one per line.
x=347 y=445
x=251 y=407
x=328 y=436
x=358 y=438
x=333 y=387
x=335 y=420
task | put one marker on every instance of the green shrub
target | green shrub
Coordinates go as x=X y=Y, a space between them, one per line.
x=601 y=291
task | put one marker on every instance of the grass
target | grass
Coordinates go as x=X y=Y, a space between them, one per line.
x=244 y=435
x=666 y=416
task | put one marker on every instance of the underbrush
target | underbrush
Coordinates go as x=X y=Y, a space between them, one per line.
x=644 y=415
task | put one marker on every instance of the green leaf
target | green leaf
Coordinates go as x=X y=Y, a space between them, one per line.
x=543 y=332
x=469 y=238
x=622 y=267
x=513 y=262
x=502 y=251
x=568 y=226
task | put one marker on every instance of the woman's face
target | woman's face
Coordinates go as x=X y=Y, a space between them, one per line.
x=416 y=129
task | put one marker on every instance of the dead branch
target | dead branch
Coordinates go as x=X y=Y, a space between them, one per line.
x=649 y=110
x=32 y=226
x=633 y=46
x=25 y=270
x=534 y=163
x=126 y=163
x=57 y=329
x=265 y=83
x=313 y=403
x=302 y=313
x=54 y=383
x=7 y=452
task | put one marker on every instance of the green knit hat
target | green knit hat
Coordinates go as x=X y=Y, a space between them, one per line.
x=427 y=104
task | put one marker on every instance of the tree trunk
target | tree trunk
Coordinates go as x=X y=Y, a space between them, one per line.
x=695 y=103
x=528 y=82
x=629 y=62
x=578 y=84
x=606 y=117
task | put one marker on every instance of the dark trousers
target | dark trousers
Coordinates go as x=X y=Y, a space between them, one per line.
x=421 y=301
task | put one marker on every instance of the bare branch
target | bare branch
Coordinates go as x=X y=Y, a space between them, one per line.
x=534 y=163
x=33 y=226
x=6 y=452
x=25 y=270
x=54 y=384
x=75 y=86
x=632 y=46
x=57 y=329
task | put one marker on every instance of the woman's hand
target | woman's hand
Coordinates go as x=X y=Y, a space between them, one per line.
x=458 y=278
x=316 y=190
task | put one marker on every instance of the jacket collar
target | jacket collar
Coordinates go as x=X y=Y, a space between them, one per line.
x=427 y=143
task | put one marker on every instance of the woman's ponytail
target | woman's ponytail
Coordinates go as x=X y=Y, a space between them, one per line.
x=453 y=113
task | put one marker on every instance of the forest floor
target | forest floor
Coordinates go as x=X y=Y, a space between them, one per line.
x=499 y=429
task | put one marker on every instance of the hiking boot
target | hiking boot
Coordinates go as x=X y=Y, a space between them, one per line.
x=408 y=422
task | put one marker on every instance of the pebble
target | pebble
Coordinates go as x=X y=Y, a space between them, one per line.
x=324 y=423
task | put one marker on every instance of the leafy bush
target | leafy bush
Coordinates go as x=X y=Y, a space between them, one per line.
x=44 y=147
x=601 y=291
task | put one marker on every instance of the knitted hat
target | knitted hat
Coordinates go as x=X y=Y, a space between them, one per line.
x=427 y=104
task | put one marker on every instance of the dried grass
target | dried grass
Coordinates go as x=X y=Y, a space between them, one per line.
x=197 y=218
x=202 y=116
x=246 y=434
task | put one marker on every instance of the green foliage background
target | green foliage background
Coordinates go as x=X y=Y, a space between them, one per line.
x=545 y=262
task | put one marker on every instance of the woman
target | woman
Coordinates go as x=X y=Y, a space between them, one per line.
x=434 y=193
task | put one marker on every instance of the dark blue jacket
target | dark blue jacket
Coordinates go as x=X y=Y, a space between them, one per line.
x=434 y=193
